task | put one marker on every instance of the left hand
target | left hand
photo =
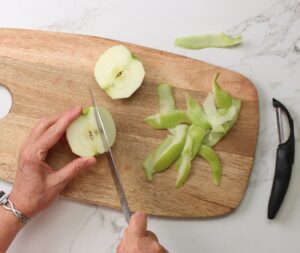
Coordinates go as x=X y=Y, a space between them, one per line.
x=37 y=184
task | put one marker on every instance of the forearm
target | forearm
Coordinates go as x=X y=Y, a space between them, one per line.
x=9 y=227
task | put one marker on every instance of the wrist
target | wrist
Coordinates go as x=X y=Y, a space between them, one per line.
x=7 y=204
x=9 y=221
x=21 y=203
x=10 y=225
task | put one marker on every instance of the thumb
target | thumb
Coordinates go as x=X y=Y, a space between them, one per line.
x=74 y=168
x=138 y=225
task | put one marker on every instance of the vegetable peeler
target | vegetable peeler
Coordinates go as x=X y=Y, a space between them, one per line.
x=284 y=161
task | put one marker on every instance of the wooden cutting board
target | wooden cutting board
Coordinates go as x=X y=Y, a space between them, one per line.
x=49 y=72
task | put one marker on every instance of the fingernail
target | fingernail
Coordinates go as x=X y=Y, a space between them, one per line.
x=139 y=214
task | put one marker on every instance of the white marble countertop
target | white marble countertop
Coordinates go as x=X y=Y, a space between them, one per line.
x=269 y=56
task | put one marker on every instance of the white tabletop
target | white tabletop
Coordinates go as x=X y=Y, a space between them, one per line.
x=269 y=56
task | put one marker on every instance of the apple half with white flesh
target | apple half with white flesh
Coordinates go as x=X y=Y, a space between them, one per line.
x=118 y=72
x=83 y=135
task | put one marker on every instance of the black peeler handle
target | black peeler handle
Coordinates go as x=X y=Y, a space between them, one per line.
x=283 y=169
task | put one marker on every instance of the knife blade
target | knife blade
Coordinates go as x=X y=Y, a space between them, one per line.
x=111 y=162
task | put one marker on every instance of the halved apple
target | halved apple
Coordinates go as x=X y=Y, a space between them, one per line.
x=119 y=72
x=83 y=135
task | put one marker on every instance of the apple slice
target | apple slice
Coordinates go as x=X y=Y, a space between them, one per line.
x=119 y=72
x=83 y=135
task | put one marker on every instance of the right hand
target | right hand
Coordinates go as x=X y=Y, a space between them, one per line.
x=137 y=239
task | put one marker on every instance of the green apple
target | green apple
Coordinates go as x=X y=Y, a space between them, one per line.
x=119 y=72
x=83 y=135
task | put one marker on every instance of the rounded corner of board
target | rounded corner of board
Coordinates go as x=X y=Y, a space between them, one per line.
x=251 y=87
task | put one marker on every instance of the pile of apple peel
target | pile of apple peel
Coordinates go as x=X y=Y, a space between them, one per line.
x=193 y=132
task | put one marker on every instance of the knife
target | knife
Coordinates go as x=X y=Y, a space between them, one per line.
x=112 y=165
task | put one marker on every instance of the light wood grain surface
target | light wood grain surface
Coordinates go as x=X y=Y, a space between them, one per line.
x=50 y=72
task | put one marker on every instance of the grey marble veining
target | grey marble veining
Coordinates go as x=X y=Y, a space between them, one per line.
x=280 y=26
x=276 y=59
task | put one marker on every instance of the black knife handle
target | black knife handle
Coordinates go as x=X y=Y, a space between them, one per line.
x=283 y=167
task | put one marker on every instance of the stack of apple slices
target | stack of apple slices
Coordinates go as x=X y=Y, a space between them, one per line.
x=119 y=73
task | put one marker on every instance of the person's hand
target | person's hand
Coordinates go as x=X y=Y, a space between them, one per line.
x=37 y=184
x=137 y=239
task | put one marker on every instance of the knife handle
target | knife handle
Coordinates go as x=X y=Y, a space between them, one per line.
x=283 y=167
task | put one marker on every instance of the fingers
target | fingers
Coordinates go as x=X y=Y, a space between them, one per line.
x=73 y=169
x=52 y=135
x=148 y=245
x=123 y=244
x=151 y=235
x=43 y=125
x=138 y=225
x=137 y=239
